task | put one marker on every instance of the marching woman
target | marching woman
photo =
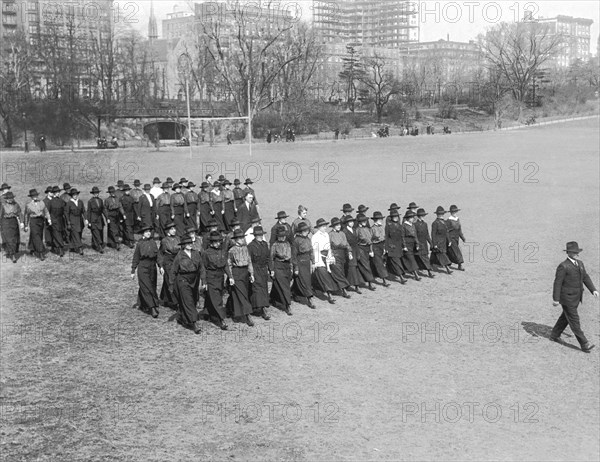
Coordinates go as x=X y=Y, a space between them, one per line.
x=378 y=245
x=241 y=275
x=455 y=233
x=95 y=217
x=323 y=259
x=216 y=198
x=212 y=275
x=76 y=221
x=10 y=225
x=57 y=215
x=205 y=207
x=179 y=210
x=163 y=210
x=36 y=214
x=424 y=243
x=129 y=218
x=191 y=201
x=394 y=244
x=281 y=223
x=411 y=244
x=229 y=208
x=113 y=211
x=341 y=252
x=302 y=258
x=259 y=290
x=185 y=273
x=440 y=241
x=48 y=227
x=168 y=250
x=351 y=269
x=281 y=271
x=238 y=194
x=145 y=262
x=365 y=250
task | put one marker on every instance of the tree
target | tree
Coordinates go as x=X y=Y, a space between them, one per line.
x=518 y=50
x=381 y=82
x=352 y=73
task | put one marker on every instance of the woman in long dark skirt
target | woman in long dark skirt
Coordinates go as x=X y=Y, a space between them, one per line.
x=191 y=200
x=145 y=262
x=411 y=244
x=440 y=241
x=425 y=242
x=378 y=245
x=281 y=271
x=36 y=214
x=212 y=275
x=179 y=209
x=228 y=204
x=241 y=275
x=10 y=225
x=259 y=291
x=76 y=221
x=351 y=269
x=365 y=250
x=185 y=273
x=216 y=198
x=205 y=207
x=168 y=250
x=302 y=259
x=57 y=215
x=340 y=250
x=455 y=234
x=394 y=245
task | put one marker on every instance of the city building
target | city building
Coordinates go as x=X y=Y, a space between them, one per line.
x=576 y=35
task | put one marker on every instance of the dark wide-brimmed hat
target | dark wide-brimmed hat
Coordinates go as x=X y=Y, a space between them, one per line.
x=143 y=229
x=215 y=236
x=165 y=185
x=136 y=182
x=440 y=210
x=191 y=184
x=95 y=190
x=186 y=240
x=334 y=222
x=56 y=189
x=321 y=222
x=33 y=193
x=183 y=180
x=282 y=231
x=111 y=189
x=212 y=223
x=225 y=182
x=412 y=205
x=238 y=233
x=73 y=192
x=147 y=187
x=191 y=229
x=347 y=219
x=258 y=231
x=361 y=217
x=394 y=213
x=176 y=186
x=362 y=208
x=156 y=180
x=248 y=181
x=573 y=247
x=216 y=184
x=9 y=195
x=126 y=187
x=4 y=186
x=377 y=216
x=454 y=209
x=409 y=214
x=302 y=226
x=394 y=206
x=421 y=213
x=237 y=182
x=235 y=222
x=120 y=183
x=170 y=225
x=204 y=185
x=281 y=215
x=170 y=180
x=48 y=190
x=347 y=208
x=66 y=186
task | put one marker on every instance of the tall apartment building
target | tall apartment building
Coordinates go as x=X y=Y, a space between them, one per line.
x=576 y=34
x=385 y=24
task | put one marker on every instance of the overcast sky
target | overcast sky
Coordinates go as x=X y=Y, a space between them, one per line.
x=462 y=20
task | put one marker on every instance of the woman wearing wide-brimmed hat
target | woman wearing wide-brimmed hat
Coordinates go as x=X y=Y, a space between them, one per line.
x=95 y=217
x=281 y=271
x=424 y=239
x=179 y=209
x=163 y=210
x=76 y=221
x=185 y=274
x=212 y=275
x=10 y=225
x=395 y=245
x=144 y=261
x=281 y=223
x=191 y=200
x=57 y=214
x=378 y=245
x=411 y=244
x=302 y=259
x=229 y=208
x=241 y=275
x=113 y=211
x=341 y=252
x=323 y=259
x=218 y=204
x=351 y=268
x=259 y=252
x=36 y=214
x=440 y=240
x=365 y=250
x=168 y=250
x=455 y=234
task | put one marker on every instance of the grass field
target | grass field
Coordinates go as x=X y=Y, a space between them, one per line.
x=455 y=368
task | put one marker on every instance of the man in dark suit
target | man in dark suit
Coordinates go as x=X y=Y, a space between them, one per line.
x=146 y=208
x=568 y=292
x=247 y=212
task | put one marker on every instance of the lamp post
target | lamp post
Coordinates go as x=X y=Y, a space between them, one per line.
x=26 y=143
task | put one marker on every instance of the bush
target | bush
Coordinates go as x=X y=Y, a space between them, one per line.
x=447 y=110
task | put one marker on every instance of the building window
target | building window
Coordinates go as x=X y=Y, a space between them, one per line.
x=9 y=19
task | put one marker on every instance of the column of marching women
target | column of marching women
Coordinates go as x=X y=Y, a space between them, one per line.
x=211 y=250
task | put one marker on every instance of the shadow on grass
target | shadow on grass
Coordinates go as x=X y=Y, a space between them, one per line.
x=540 y=330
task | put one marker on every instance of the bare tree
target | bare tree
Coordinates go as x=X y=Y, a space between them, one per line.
x=381 y=82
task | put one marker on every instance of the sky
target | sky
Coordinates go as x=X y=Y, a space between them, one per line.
x=461 y=20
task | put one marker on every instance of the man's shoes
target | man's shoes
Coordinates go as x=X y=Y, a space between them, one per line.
x=554 y=339
x=587 y=348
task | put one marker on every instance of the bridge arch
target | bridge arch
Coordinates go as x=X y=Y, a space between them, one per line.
x=166 y=129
